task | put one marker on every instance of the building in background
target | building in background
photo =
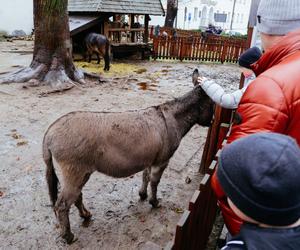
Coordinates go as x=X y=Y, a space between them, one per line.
x=198 y=14
x=16 y=15
x=159 y=20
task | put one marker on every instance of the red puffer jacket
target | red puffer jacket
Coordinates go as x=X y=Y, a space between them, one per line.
x=270 y=103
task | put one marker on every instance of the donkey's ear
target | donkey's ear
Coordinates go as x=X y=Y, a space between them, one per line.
x=195 y=77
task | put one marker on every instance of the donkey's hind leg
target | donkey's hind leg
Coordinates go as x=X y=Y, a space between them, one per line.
x=73 y=183
x=155 y=175
x=83 y=212
x=146 y=178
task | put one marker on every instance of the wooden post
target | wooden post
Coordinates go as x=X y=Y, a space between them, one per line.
x=249 y=36
x=105 y=29
x=131 y=25
x=146 y=32
x=211 y=145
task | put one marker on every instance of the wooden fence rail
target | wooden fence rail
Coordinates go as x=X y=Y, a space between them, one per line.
x=210 y=48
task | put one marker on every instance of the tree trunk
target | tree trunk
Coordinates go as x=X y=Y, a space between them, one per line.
x=171 y=13
x=52 y=61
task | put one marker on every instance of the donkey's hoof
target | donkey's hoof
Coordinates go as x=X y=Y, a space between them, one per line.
x=154 y=203
x=143 y=196
x=68 y=237
x=86 y=215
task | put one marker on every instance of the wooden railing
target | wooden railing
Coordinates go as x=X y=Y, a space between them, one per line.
x=179 y=32
x=196 y=223
x=210 y=48
x=126 y=35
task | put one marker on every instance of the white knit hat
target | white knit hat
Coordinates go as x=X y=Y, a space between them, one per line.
x=278 y=17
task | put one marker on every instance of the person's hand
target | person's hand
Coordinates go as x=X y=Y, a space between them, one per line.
x=201 y=79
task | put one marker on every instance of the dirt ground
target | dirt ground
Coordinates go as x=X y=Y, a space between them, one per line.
x=120 y=220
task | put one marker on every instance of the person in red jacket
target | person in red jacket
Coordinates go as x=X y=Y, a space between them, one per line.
x=272 y=102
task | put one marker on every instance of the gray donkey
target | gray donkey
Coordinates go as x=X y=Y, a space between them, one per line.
x=118 y=145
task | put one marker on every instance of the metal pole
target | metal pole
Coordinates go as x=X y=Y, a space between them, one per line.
x=232 y=16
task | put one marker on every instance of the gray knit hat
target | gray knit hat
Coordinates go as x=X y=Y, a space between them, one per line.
x=278 y=17
x=260 y=173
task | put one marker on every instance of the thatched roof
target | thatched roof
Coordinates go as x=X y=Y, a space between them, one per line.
x=151 y=7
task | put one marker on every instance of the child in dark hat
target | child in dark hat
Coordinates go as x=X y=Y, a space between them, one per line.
x=249 y=57
x=231 y=100
x=260 y=175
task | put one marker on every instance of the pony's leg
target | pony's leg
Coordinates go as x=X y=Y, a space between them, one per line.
x=89 y=53
x=146 y=178
x=83 y=212
x=155 y=175
x=106 y=62
x=98 y=58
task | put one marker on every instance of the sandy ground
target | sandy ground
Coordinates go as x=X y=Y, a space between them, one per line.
x=120 y=220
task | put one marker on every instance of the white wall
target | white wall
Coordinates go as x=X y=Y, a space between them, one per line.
x=159 y=20
x=16 y=15
x=241 y=14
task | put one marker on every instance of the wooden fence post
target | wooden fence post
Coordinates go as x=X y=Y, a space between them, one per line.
x=181 y=236
x=211 y=145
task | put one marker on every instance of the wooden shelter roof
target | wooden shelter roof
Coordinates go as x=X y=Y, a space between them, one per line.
x=143 y=7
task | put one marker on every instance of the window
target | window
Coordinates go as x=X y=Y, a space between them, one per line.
x=195 y=13
x=185 y=13
x=199 y=13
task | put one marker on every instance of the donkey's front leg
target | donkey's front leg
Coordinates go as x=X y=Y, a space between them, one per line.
x=155 y=175
x=146 y=178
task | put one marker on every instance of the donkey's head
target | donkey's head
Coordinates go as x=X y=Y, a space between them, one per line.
x=206 y=105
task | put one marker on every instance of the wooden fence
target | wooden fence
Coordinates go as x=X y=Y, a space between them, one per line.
x=195 y=225
x=202 y=48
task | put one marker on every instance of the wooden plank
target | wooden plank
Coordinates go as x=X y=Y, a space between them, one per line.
x=212 y=141
x=212 y=167
x=224 y=128
x=202 y=232
x=195 y=218
x=181 y=235
x=210 y=214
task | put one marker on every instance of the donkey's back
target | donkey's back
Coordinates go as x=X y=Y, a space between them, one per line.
x=117 y=144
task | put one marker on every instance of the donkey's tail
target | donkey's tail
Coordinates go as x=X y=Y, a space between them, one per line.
x=107 y=54
x=51 y=176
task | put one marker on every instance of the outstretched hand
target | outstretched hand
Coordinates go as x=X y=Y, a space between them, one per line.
x=201 y=79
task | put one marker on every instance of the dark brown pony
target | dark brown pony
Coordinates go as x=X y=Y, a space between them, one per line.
x=98 y=44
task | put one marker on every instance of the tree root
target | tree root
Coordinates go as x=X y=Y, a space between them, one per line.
x=56 y=78
x=23 y=75
x=46 y=93
x=92 y=75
